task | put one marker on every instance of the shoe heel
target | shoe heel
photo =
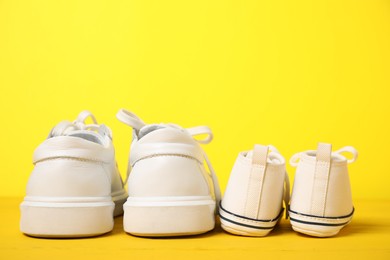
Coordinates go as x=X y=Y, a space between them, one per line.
x=244 y=226
x=318 y=226
x=159 y=218
x=49 y=219
x=119 y=199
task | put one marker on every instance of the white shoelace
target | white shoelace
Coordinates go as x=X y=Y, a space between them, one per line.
x=65 y=127
x=136 y=123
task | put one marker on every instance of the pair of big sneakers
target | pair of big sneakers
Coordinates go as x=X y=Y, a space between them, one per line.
x=320 y=205
x=75 y=189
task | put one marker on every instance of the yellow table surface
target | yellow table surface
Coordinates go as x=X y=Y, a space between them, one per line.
x=368 y=236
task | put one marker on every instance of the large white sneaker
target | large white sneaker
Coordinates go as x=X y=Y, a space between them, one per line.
x=75 y=188
x=321 y=201
x=170 y=191
x=253 y=201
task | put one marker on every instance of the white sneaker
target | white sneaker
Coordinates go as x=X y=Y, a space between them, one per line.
x=75 y=187
x=321 y=202
x=253 y=201
x=170 y=191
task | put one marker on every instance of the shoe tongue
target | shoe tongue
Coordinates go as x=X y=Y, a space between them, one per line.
x=87 y=135
x=153 y=127
x=150 y=128
x=249 y=155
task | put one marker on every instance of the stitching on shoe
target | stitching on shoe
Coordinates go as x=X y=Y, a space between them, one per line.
x=70 y=158
x=173 y=155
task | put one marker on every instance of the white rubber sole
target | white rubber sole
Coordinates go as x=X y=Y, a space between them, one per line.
x=243 y=226
x=318 y=226
x=66 y=217
x=119 y=198
x=169 y=216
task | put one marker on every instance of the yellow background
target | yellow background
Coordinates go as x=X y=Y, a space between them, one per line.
x=288 y=73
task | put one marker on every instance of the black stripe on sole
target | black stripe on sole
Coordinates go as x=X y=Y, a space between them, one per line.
x=252 y=219
x=245 y=225
x=314 y=216
x=318 y=224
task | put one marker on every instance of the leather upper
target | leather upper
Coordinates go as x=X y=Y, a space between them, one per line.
x=76 y=160
x=168 y=162
x=255 y=187
x=322 y=187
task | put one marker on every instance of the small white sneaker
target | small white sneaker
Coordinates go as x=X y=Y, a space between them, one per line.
x=170 y=191
x=321 y=201
x=253 y=201
x=75 y=187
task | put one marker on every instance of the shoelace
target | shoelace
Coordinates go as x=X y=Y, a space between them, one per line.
x=66 y=127
x=136 y=123
x=347 y=149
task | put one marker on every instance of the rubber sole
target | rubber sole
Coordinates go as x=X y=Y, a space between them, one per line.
x=243 y=226
x=119 y=198
x=318 y=226
x=169 y=216
x=71 y=218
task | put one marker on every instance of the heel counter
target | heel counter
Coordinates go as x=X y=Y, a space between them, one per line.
x=302 y=188
x=339 y=196
x=272 y=190
x=235 y=195
x=68 y=177
x=167 y=175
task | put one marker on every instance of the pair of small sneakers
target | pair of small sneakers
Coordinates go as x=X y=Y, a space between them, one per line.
x=75 y=189
x=321 y=202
